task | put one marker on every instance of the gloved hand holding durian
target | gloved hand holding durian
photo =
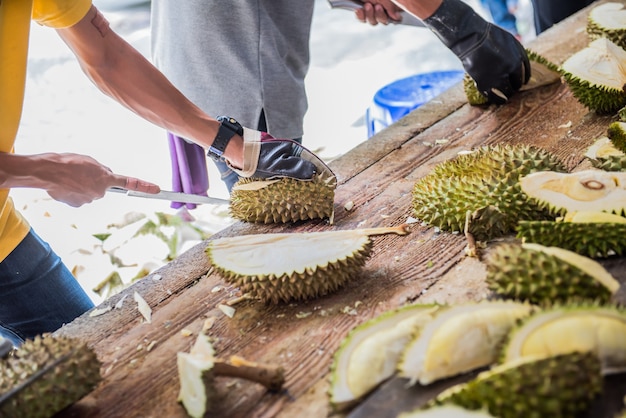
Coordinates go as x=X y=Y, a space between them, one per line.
x=491 y=56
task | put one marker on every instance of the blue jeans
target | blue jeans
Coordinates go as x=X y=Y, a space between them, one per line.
x=37 y=292
x=500 y=14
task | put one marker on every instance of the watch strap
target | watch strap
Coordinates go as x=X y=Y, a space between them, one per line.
x=228 y=128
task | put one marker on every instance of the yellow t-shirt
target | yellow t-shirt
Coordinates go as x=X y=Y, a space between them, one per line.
x=15 y=17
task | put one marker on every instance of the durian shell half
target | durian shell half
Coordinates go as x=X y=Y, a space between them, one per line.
x=603 y=155
x=608 y=20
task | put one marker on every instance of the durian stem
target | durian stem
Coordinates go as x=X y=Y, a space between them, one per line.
x=270 y=376
x=399 y=230
x=471 y=241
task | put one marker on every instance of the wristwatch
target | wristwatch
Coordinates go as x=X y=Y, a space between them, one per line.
x=228 y=128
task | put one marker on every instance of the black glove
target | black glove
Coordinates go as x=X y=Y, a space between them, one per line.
x=281 y=158
x=491 y=56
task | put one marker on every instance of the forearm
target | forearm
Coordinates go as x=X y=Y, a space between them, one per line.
x=24 y=170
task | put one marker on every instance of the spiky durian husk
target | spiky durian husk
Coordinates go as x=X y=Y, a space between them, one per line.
x=281 y=201
x=45 y=375
x=602 y=92
x=474 y=97
x=610 y=163
x=525 y=272
x=595 y=240
x=617 y=134
x=558 y=386
x=290 y=266
x=575 y=327
x=485 y=184
x=608 y=20
x=604 y=155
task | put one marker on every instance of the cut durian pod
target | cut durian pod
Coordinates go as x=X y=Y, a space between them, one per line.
x=603 y=155
x=581 y=191
x=617 y=134
x=542 y=72
x=459 y=339
x=485 y=180
x=596 y=76
x=286 y=267
x=446 y=411
x=45 y=375
x=591 y=234
x=608 y=20
x=552 y=386
x=575 y=328
x=198 y=368
x=369 y=354
x=546 y=275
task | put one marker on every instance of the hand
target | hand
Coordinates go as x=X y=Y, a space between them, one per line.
x=378 y=11
x=492 y=56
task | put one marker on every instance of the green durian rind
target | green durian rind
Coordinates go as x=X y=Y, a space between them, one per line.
x=518 y=273
x=557 y=386
x=283 y=201
x=485 y=184
x=595 y=240
x=361 y=333
x=474 y=97
x=598 y=29
x=610 y=163
x=601 y=99
x=69 y=370
x=617 y=134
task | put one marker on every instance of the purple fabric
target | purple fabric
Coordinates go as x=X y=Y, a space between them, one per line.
x=189 y=171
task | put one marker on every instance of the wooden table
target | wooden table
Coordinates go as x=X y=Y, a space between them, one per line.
x=424 y=266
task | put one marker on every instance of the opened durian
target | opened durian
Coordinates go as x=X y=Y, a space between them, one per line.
x=483 y=185
x=567 y=329
x=592 y=234
x=596 y=76
x=608 y=20
x=370 y=353
x=551 y=386
x=446 y=411
x=582 y=191
x=546 y=275
x=603 y=155
x=45 y=375
x=542 y=72
x=459 y=339
x=293 y=266
x=617 y=134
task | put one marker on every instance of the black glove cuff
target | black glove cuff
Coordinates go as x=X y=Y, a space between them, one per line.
x=454 y=22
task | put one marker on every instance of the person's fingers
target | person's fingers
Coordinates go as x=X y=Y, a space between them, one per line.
x=381 y=14
x=138 y=185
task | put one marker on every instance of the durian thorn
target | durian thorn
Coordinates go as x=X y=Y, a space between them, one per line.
x=239 y=299
x=399 y=230
x=270 y=376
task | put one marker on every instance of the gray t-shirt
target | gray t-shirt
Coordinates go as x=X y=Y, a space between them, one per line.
x=237 y=57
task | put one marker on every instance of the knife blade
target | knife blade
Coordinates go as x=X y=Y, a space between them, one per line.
x=407 y=18
x=173 y=196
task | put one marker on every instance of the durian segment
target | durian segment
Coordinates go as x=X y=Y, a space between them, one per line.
x=608 y=20
x=484 y=184
x=459 y=339
x=596 y=75
x=195 y=377
x=45 y=375
x=603 y=155
x=617 y=134
x=282 y=200
x=566 y=329
x=591 y=234
x=545 y=275
x=552 y=386
x=587 y=191
x=293 y=266
x=446 y=411
x=370 y=352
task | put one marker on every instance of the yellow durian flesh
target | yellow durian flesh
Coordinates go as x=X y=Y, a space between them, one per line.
x=593 y=217
x=576 y=329
x=602 y=64
x=602 y=148
x=446 y=411
x=459 y=339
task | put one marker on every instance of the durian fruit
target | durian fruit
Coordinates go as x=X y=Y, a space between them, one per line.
x=198 y=369
x=542 y=72
x=45 y=375
x=545 y=275
x=574 y=328
x=591 y=234
x=617 y=134
x=603 y=155
x=484 y=186
x=459 y=339
x=608 y=20
x=285 y=267
x=370 y=352
x=550 y=386
x=596 y=76
x=446 y=411
x=581 y=191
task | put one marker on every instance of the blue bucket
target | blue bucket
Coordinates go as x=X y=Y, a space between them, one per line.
x=399 y=98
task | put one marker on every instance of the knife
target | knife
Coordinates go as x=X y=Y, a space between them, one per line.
x=407 y=18
x=173 y=196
